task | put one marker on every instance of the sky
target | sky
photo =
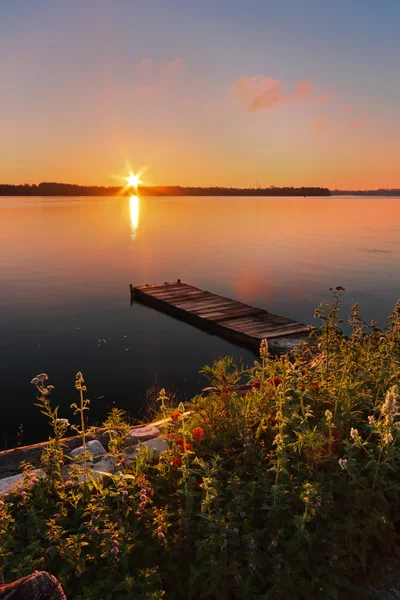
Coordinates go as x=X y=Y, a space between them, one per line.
x=217 y=92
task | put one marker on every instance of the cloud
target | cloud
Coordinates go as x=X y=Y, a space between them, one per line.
x=149 y=66
x=323 y=99
x=302 y=90
x=175 y=66
x=259 y=93
x=346 y=108
x=319 y=126
x=357 y=123
x=265 y=93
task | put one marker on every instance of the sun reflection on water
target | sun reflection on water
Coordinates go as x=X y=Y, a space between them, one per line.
x=134 y=209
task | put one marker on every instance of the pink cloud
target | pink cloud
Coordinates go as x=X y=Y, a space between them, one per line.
x=346 y=108
x=323 y=99
x=175 y=66
x=145 y=65
x=319 y=126
x=302 y=90
x=357 y=123
x=259 y=93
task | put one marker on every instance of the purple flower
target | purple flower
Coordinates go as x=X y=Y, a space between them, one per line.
x=77 y=573
x=273 y=545
x=253 y=567
x=114 y=550
x=235 y=531
x=243 y=514
x=333 y=560
x=224 y=547
x=238 y=577
x=277 y=568
x=252 y=545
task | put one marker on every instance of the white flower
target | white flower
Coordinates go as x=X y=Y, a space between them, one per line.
x=371 y=419
x=353 y=433
x=389 y=408
x=328 y=415
x=264 y=348
x=63 y=422
x=343 y=463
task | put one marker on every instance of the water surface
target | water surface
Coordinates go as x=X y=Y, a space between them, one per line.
x=66 y=265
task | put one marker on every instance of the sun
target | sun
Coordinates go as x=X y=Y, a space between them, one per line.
x=133 y=180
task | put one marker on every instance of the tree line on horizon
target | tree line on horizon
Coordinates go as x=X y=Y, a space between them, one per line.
x=67 y=189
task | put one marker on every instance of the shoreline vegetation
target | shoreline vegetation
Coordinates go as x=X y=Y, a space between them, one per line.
x=66 y=189
x=290 y=490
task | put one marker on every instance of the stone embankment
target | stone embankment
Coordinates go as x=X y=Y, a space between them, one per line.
x=100 y=461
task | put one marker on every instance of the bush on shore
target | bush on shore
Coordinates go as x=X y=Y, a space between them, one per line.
x=291 y=490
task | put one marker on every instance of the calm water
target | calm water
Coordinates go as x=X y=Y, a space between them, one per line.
x=66 y=265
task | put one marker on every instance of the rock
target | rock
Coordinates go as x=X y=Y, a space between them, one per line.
x=9 y=485
x=142 y=434
x=107 y=464
x=38 y=586
x=93 y=447
x=158 y=444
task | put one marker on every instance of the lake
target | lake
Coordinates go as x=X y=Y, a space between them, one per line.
x=66 y=265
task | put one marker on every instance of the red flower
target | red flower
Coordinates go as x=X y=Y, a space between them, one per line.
x=315 y=386
x=275 y=381
x=256 y=385
x=177 y=461
x=182 y=444
x=175 y=416
x=197 y=433
x=171 y=436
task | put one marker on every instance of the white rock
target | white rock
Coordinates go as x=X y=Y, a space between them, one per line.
x=107 y=464
x=158 y=444
x=9 y=485
x=93 y=447
x=142 y=434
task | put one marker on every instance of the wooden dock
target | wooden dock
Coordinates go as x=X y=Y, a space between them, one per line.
x=235 y=321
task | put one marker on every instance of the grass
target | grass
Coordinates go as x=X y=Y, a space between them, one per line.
x=290 y=491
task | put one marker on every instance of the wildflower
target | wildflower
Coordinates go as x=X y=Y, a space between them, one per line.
x=77 y=573
x=328 y=415
x=371 y=419
x=171 y=436
x=277 y=568
x=318 y=503
x=264 y=348
x=36 y=381
x=235 y=531
x=243 y=514
x=223 y=535
x=177 y=461
x=238 y=577
x=333 y=560
x=256 y=385
x=273 y=545
x=198 y=484
x=114 y=550
x=197 y=433
x=63 y=421
x=342 y=463
x=252 y=545
x=253 y=567
x=275 y=381
x=175 y=416
x=389 y=408
x=224 y=547
x=181 y=442
x=42 y=377
x=315 y=386
x=247 y=442
x=354 y=433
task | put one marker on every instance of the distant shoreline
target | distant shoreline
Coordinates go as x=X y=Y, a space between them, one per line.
x=64 y=189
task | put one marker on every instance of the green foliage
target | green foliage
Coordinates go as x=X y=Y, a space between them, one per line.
x=291 y=490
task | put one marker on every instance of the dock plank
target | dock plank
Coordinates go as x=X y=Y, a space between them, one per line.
x=238 y=322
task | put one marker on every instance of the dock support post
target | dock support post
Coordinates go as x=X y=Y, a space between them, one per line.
x=131 y=288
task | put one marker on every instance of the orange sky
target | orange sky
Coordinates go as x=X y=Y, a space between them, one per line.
x=210 y=95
